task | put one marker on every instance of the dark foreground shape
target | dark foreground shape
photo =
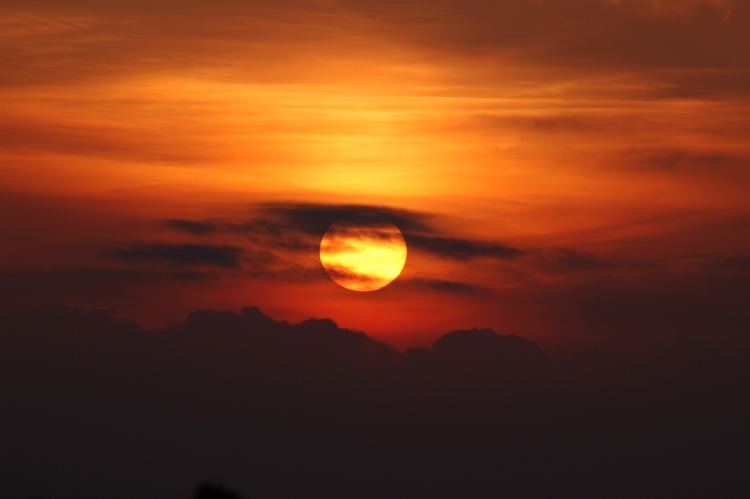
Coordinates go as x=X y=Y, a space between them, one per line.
x=93 y=406
x=214 y=491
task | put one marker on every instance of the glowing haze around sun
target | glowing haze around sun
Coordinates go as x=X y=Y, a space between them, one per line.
x=363 y=255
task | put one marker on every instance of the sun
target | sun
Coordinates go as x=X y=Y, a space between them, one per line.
x=363 y=255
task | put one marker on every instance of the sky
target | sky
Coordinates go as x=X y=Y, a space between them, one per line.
x=573 y=172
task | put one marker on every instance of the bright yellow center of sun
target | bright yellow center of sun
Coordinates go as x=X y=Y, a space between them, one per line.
x=363 y=256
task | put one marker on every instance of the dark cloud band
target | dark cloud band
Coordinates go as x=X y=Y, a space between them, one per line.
x=183 y=254
x=299 y=226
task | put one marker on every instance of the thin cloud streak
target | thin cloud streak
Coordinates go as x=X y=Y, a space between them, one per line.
x=182 y=254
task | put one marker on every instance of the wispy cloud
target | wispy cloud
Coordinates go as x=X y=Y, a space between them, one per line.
x=299 y=227
x=182 y=254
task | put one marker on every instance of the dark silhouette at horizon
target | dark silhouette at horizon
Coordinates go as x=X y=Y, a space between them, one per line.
x=97 y=406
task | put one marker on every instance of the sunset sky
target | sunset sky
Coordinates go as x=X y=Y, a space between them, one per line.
x=572 y=172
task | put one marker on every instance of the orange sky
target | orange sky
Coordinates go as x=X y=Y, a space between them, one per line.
x=603 y=141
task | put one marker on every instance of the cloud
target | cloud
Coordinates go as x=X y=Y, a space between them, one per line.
x=564 y=260
x=316 y=218
x=461 y=249
x=299 y=226
x=555 y=124
x=183 y=254
x=562 y=123
x=281 y=242
x=680 y=159
x=104 y=275
x=701 y=84
x=576 y=37
x=194 y=227
x=677 y=8
x=94 y=139
x=444 y=285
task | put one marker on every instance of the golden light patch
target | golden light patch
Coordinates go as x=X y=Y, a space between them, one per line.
x=364 y=255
